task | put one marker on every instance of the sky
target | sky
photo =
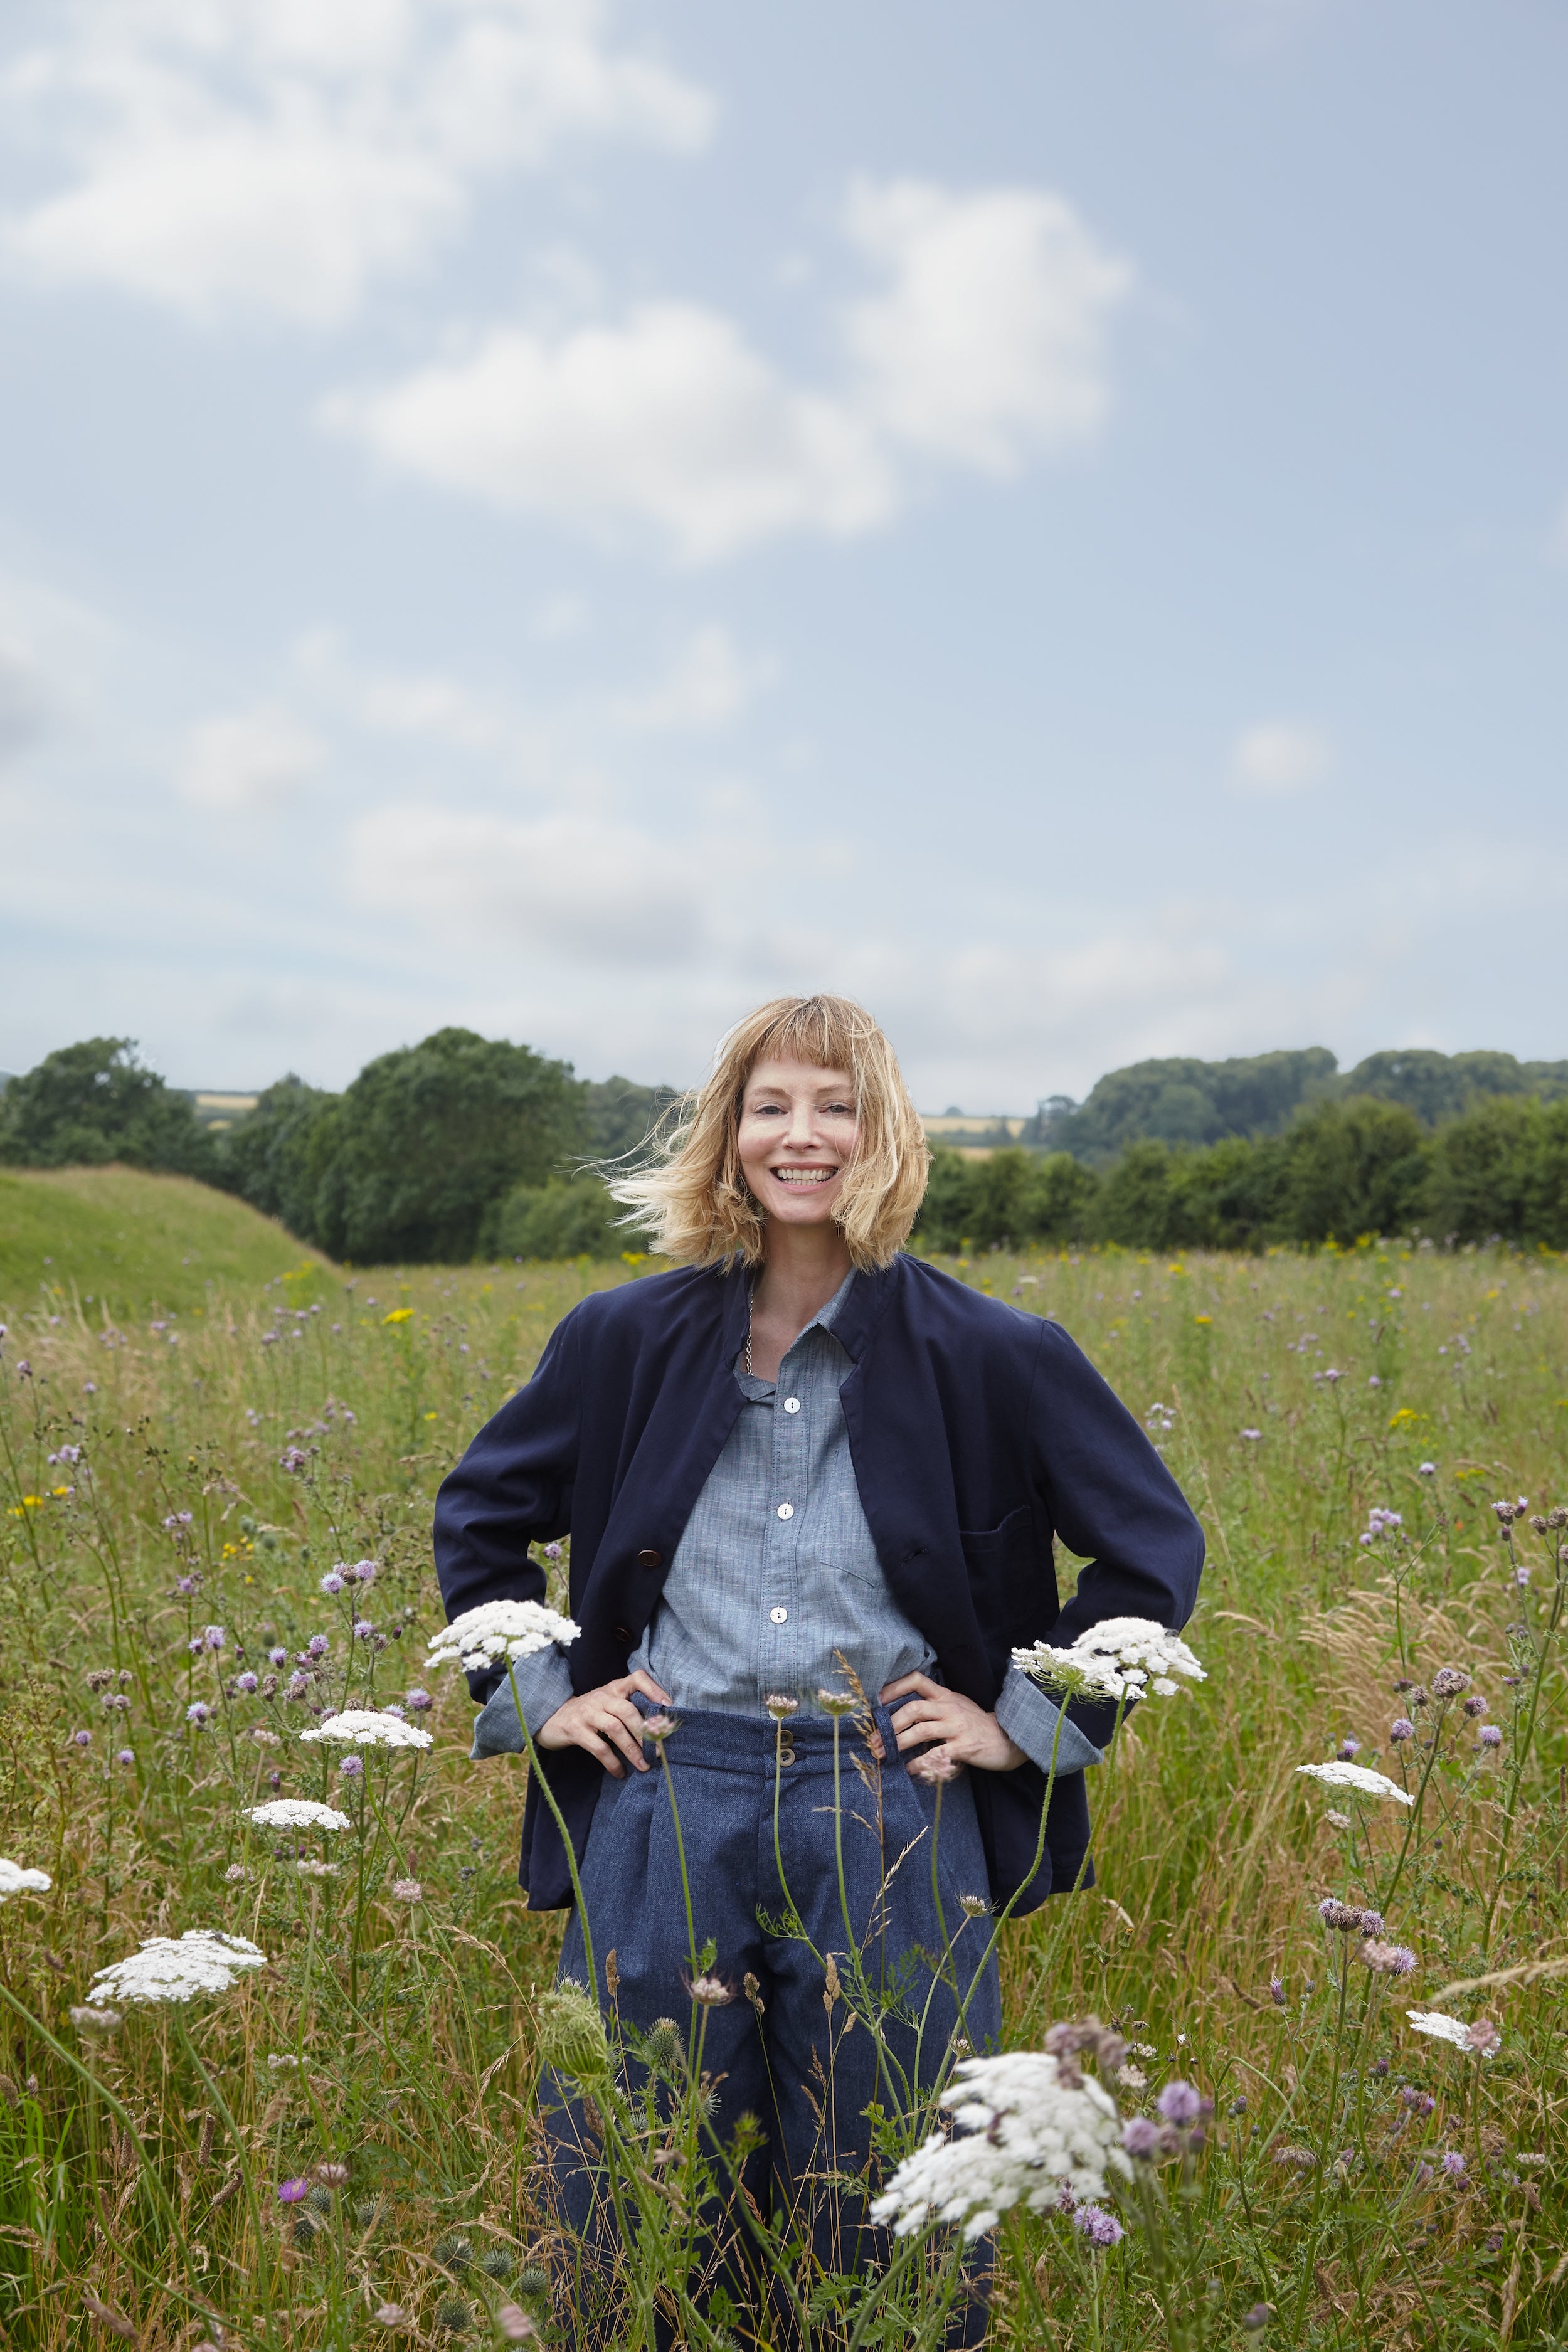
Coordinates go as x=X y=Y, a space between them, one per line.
x=570 y=519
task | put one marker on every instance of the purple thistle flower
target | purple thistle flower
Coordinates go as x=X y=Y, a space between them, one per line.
x=81 y=1739
x=293 y=2192
x=1100 y=2228
x=293 y=1457
x=1401 y=1728
x=1372 y=1923
x=245 y=1682
x=125 y=1756
x=363 y=1629
x=351 y=1767
x=1475 y=1704
x=1387 y=1959
x=1179 y=2102
x=1349 y=1749
x=1490 y=1736
x=195 y=1646
x=1277 y=1992
x=553 y=1552
x=199 y=1712
x=1140 y=2135
x=1426 y=1470
x=1423 y=2175
x=364 y=1569
x=213 y=1637
x=333 y=1583
x=1449 y=1682
x=1454 y=2164
x=419 y=1700
x=317 y=1646
x=280 y=1656
x=177 y=1519
x=296 y=1685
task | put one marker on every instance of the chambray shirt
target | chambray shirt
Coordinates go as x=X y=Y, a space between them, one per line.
x=776 y=1576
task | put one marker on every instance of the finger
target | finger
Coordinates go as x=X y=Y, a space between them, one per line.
x=921 y=1684
x=642 y=1680
x=629 y=1743
x=590 y=1741
x=920 y=1734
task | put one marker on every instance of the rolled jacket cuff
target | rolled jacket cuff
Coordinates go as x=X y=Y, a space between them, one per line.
x=544 y=1684
x=1029 y=1719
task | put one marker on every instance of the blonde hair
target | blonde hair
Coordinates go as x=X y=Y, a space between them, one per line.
x=693 y=1200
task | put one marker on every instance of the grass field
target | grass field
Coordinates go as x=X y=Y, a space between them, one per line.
x=114 y=1239
x=1358 y=2182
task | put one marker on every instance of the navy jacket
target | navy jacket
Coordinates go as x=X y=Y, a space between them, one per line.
x=977 y=1434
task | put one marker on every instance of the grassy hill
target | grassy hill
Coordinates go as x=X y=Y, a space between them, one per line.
x=131 y=1240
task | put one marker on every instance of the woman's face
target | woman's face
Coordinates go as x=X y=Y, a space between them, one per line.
x=797 y=1136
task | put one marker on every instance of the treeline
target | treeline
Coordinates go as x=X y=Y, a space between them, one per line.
x=1182 y=1101
x=1341 y=1170
x=458 y=1147
x=466 y=1146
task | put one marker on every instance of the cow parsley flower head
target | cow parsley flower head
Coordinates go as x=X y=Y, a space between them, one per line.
x=1029 y=2128
x=1340 y=1775
x=498 y=1631
x=298 y=1813
x=1121 y=1657
x=14 y=1880
x=1443 y=2027
x=363 y=1727
x=177 y=1967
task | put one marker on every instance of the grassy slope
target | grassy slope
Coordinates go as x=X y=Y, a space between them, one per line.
x=133 y=1242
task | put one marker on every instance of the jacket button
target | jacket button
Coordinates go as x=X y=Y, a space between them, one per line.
x=650 y=1559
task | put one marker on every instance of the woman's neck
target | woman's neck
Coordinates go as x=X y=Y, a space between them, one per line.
x=803 y=1265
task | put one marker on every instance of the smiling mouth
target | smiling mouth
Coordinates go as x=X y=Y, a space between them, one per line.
x=803 y=1179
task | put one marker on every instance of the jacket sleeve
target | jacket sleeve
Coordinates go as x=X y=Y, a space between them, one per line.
x=513 y=1488
x=1113 y=1502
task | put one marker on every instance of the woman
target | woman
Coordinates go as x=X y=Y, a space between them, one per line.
x=801 y=1454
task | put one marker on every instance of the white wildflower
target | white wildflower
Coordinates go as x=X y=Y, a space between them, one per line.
x=1121 y=1657
x=1340 y=1775
x=362 y=1726
x=1027 y=2130
x=299 y=1813
x=317 y=1869
x=14 y=1880
x=280 y=2060
x=177 y=1967
x=497 y=1631
x=1443 y=2027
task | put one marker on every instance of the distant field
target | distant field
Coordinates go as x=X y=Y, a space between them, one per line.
x=132 y=1241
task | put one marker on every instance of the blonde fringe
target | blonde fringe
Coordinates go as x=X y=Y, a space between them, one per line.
x=693 y=1202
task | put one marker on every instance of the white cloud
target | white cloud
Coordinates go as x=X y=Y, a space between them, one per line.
x=247 y=764
x=990 y=338
x=23 y=702
x=1279 y=757
x=570 y=885
x=278 y=156
x=670 y=419
x=709 y=684
x=987 y=343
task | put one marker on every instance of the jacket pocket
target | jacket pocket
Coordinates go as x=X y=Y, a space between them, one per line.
x=1004 y=1569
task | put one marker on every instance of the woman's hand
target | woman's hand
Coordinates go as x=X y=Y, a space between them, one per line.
x=966 y=1734
x=604 y=1722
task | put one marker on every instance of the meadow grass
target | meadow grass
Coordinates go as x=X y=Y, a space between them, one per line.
x=119 y=1239
x=139 y=2169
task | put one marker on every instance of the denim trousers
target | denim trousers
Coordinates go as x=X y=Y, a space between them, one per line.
x=750 y=1800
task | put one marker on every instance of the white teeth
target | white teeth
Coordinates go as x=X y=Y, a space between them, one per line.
x=804 y=1176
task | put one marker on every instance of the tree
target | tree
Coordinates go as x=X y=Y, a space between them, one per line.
x=426 y=1137
x=93 y=1102
x=1353 y=1168
x=572 y=1217
x=277 y=1157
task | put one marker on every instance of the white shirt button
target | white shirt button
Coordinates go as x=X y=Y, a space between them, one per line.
x=786 y=1510
x=791 y=1404
x=778 y=1616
